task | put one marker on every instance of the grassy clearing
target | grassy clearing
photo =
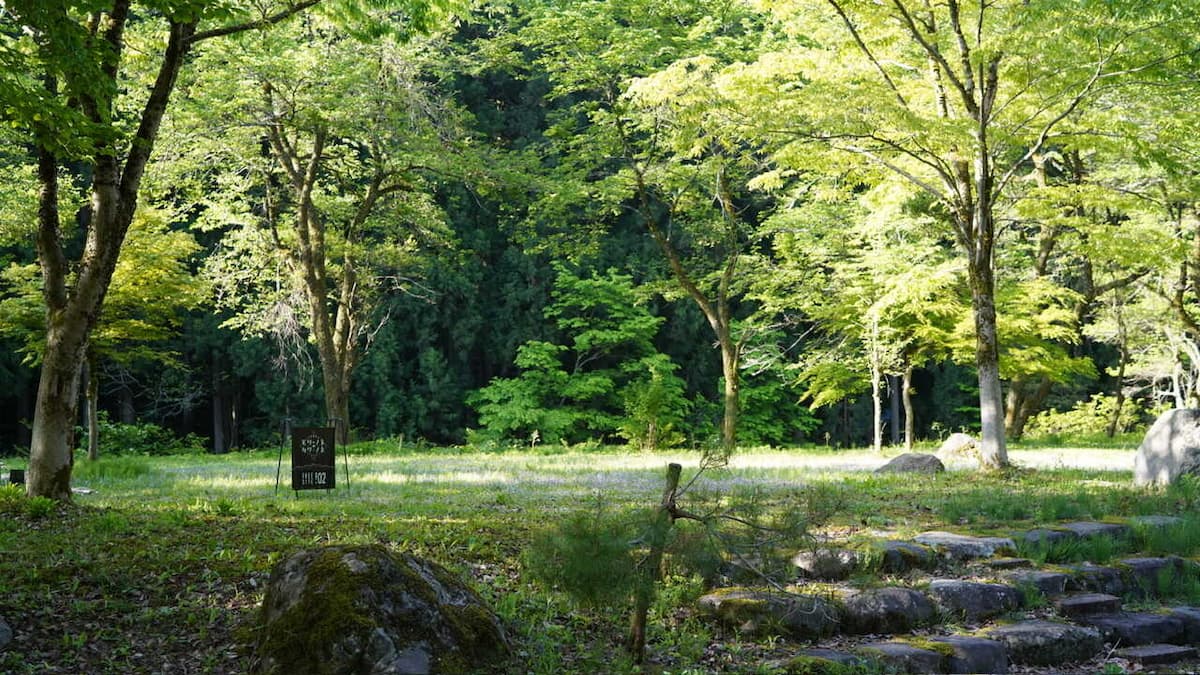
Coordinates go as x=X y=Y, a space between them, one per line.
x=162 y=567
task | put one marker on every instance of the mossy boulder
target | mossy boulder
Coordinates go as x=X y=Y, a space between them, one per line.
x=362 y=609
x=769 y=612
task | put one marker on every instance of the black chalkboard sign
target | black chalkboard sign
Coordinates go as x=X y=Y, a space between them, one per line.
x=313 y=465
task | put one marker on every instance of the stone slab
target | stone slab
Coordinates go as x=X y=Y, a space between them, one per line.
x=1145 y=575
x=1156 y=654
x=972 y=600
x=901 y=657
x=1156 y=521
x=1096 y=579
x=1049 y=584
x=899 y=557
x=762 y=612
x=829 y=564
x=1046 y=643
x=963 y=547
x=1088 y=603
x=1190 y=616
x=1136 y=628
x=1009 y=563
x=887 y=610
x=974 y=655
x=1091 y=528
x=1046 y=537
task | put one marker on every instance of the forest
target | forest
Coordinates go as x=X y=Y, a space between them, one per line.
x=694 y=223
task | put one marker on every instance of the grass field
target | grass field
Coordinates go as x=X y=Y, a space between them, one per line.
x=161 y=566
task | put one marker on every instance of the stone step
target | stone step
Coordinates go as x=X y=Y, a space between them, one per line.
x=1090 y=528
x=1087 y=603
x=902 y=657
x=1156 y=654
x=974 y=655
x=1095 y=579
x=972 y=600
x=1046 y=643
x=1049 y=584
x=1136 y=628
x=1146 y=576
x=962 y=547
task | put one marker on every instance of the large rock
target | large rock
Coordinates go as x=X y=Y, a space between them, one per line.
x=963 y=547
x=1136 y=628
x=1045 y=643
x=1170 y=449
x=887 y=610
x=901 y=556
x=974 y=655
x=759 y=612
x=361 y=609
x=830 y=564
x=959 y=448
x=972 y=600
x=913 y=462
x=900 y=657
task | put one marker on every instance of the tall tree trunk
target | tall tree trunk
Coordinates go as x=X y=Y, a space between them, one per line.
x=1021 y=404
x=909 y=416
x=1123 y=358
x=893 y=382
x=92 y=378
x=992 y=451
x=72 y=313
x=876 y=408
x=730 y=367
x=218 y=406
x=128 y=411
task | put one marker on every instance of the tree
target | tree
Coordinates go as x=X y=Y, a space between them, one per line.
x=151 y=286
x=80 y=102
x=956 y=98
x=607 y=379
x=652 y=148
x=328 y=172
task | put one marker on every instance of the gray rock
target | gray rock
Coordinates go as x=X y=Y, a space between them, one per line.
x=761 y=612
x=1170 y=449
x=1095 y=579
x=904 y=658
x=1049 y=584
x=974 y=655
x=814 y=661
x=913 y=462
x=887 y=610
x=352 y=609
x=901 y=556
x=1088 y=603
x=1046 y=537
x=1009 y=563
x=1136 y=628
x=1045 y=643
x=973 y=601
x=826 y=563
x=6 y=635
x=962 y=547
x=1156 y=521
x=1151 y=576
x=958 y=447
x=1190 y=617
x=1155 y=655
x=1089 y=528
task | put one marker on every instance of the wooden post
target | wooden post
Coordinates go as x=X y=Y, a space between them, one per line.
x=653 y=564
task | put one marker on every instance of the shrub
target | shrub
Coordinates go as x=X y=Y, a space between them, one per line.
x=143 y=438
x=1087 y=417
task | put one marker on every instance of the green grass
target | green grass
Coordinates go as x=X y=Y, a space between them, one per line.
x=164 y=564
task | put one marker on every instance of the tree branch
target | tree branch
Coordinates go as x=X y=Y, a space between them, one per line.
x=264 y=22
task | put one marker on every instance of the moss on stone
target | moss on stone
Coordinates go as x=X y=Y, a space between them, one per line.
x=335 y=607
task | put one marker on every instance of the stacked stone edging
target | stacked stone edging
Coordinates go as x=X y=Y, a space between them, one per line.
x=1084 y=595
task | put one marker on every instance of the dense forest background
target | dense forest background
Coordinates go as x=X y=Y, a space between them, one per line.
x=536 y=222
